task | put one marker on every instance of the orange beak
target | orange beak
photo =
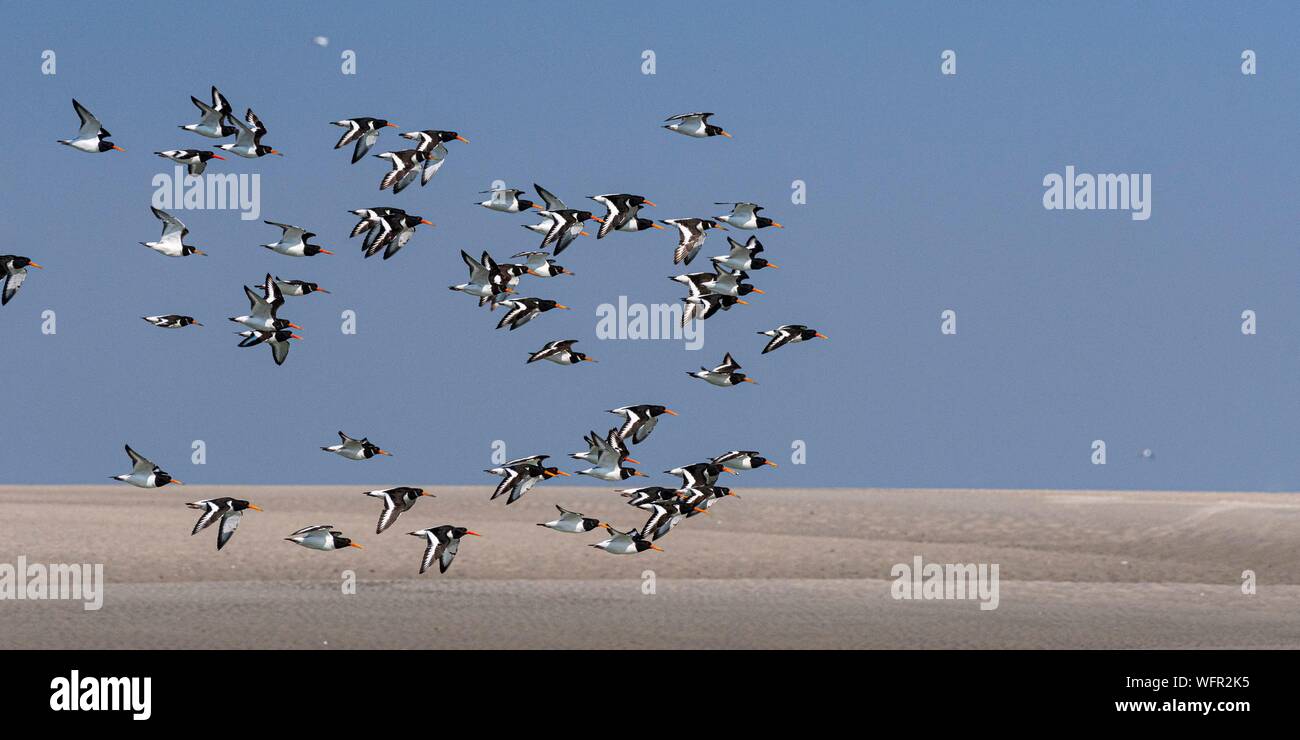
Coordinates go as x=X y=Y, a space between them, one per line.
x=536 y=206
x=742 y=302
x=321 y=290
x=391 y=125
x=383 y=452
x=774 y=267
x=588 y=359
x=353 y=544
x=177 y=482
x=760 y=292
x=598 y=219
x=462 y=138
x=656 y=548
x=638 y=472
x=583 y=233
x=476 y=534
x=566 y=308
x=218 y=156
x=120 y=149
x=724 y=133
x=656 y=226
x=254 y=507
x=326 y=251
x=670 y=411
x=33 y=264
x=729 y=470
x=648 y=202
x=819 y=335
x=777 y=225
x=632 y=460
x=561 y=472
x=427 y=222
x=279 y=153
x=751 y=380
x=299 y=328
x=769 y=462
x=294 y=336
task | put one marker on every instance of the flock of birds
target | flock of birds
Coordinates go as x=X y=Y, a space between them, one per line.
x=491 y=283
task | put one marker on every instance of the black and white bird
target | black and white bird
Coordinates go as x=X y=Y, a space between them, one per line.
x=225 y=509
x=562 y=224
x=523 y=310
x=611 y=453
x=92 y=138
x=406 y=165
x=248 y=139
x=703 y=305
x=538 y=264
x=172 y=242
x=625 y=543
x=723 y=375
x=195 y=160
x=443 y=544
x=745 y=216
x=596 y=445
x=321 y=537
x=277 y=340
x=171 y=321
x=297 y=287
x=621 y=213
x=699 y=499
x=364 y=131
x=507 y=200
x=744 y=256
x=640 y=420
x=560 y=352
x=355 y=449
x=520 y=475
x=294 y=241
x=742 y=460
x=701 y=473
x=663 y=517
x=571 y=522
x=789 y=334
x=212 y=123
x=144 y=474
x=371 y=223
x=263 y=308
x=721 y=281
x=13 y=273
x=394 y=231
x=695 y=125
x=486 y=282
x=691 y=233
x=397 y=501
x=432 y=144
x=638 y=497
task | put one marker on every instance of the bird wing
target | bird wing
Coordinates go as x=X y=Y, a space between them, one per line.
x=314 y=528
x=13 y=281
x=363 y=145
x=90 y=126
x=744 y=211
x=229 y=523
x=209 y=515
x=552 y=203
x=255 y=124
x=352 y=134
x=729 y=365
x=517 y=310
x=389 y=514
x=781 y=339
x=219 y=101
x=280 y=351
x=430 y=550
x=508 y=482
x=685 y=116
x=139 y=463
x=526 y=482
x=446 y=552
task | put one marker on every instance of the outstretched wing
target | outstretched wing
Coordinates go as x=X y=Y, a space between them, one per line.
x=229 y=523
x=139 y=463
x=90 y=125
x=208 y=516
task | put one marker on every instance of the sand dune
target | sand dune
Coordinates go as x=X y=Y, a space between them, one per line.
x=776 y=568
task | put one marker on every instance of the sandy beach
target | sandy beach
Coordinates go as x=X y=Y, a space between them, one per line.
x=776 y=568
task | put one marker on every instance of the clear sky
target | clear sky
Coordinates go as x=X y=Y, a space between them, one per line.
x=924 y=193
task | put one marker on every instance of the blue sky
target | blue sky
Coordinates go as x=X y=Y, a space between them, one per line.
x=924 y=194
